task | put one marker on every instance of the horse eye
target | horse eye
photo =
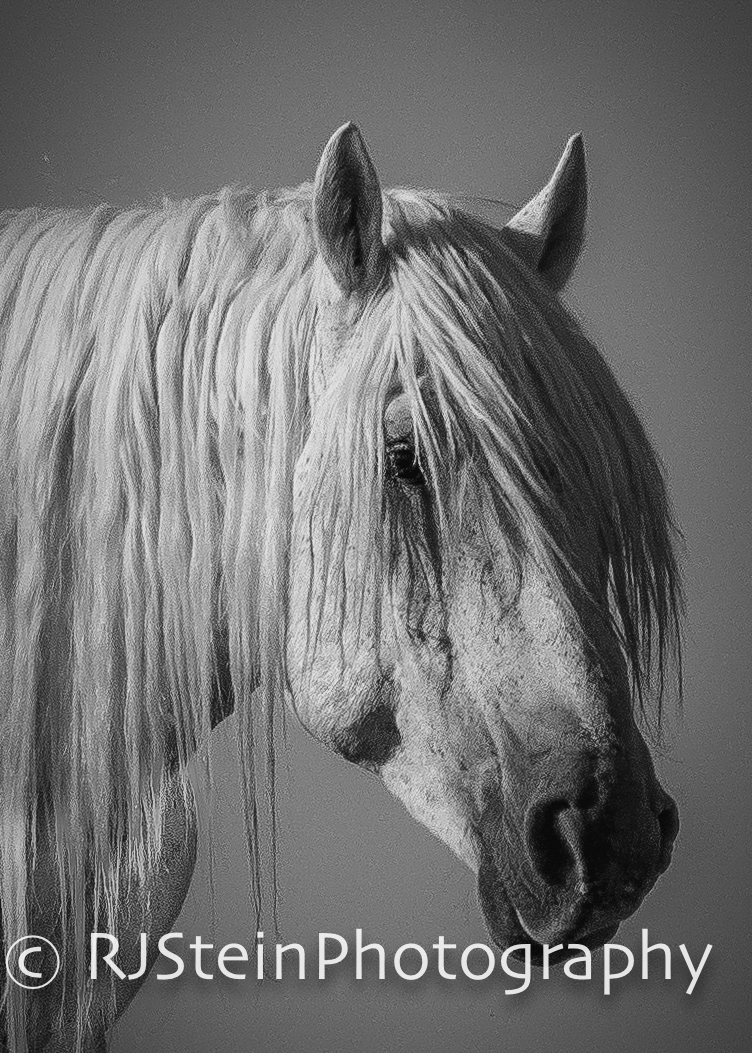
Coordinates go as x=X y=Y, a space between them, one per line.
x=403 y=463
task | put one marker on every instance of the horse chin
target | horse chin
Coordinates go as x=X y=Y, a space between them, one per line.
x=571 y=949
x=502 y=919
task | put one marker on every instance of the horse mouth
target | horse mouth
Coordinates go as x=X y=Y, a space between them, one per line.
x=507 y=928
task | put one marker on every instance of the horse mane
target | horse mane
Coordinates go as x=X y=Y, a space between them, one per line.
x=145 y=414
x=154 y=385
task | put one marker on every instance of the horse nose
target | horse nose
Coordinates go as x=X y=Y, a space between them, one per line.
x=571 y=836
x=577 y=840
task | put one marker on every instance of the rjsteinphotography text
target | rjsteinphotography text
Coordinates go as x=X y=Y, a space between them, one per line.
x=517 y=966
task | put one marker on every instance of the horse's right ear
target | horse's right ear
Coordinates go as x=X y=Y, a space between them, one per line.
x=549 y=230
x=347 y=211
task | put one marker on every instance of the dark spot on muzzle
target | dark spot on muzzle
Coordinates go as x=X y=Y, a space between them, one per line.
x=371 y=739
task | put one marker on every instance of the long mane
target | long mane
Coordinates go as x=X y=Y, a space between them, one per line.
x=154 y=385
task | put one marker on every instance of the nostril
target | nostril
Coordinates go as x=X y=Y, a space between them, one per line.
x=548 y=845
x=589 y=795
x=668 y=822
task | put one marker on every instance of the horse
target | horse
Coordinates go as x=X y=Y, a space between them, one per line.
x=346 y=449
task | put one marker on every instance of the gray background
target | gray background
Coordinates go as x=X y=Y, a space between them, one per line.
x=134 y=100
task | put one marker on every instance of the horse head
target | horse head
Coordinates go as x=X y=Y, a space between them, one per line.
x=481 y=549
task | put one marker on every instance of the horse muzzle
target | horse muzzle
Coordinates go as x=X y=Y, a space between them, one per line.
x=573 y=850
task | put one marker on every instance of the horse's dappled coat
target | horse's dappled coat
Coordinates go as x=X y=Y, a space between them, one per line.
x=156 y=373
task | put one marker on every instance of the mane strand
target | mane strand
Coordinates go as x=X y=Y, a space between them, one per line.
x=154 y=385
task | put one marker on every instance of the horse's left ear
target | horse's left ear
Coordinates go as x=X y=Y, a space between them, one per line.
x=548 y=231
x=347 y=210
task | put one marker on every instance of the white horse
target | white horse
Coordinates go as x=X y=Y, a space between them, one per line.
x=345 y=447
